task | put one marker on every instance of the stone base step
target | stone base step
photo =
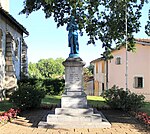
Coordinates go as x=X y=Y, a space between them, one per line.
x=67 y=125
x=74 y=112
x=72 y=119
x=96 y=120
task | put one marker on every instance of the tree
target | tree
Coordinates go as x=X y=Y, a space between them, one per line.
x=59 y=67
x=47 y=68
x=87 y=74
x=91 y=68
x=33 y=71
x=147 y=27
x=102 y=20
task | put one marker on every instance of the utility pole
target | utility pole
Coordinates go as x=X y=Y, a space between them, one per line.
x=106 y=58
x=126 y=40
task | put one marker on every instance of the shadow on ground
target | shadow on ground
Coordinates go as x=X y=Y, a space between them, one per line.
x=121 y=117
x=118 y=116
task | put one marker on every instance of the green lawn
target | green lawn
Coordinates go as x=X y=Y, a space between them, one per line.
x=51 y=99
x=96 y=101
x=93 y=101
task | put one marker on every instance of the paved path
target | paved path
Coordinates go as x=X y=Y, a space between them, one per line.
x=27 y=124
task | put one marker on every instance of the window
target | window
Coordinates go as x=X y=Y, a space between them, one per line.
x=138 y=82
x=118 y=60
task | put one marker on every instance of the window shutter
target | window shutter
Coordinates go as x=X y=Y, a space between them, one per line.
x=138 y=82
x=135 y=85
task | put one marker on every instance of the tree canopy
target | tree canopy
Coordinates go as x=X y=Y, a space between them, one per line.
x=103 y=20
x=147 y=27
x=33 y=71
x=47 y=68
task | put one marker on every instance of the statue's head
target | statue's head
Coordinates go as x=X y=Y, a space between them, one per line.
x=72 y=25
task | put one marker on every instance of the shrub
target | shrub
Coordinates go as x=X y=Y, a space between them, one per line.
x=27 y=96
x=54 y=86
x=118 y=98
x=135 y=101
x=50 y=86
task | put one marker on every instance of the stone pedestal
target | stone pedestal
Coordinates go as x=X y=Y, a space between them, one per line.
x=74 y=96
x=74 y=112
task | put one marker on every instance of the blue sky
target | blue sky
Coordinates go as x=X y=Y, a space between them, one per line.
x=48 y=41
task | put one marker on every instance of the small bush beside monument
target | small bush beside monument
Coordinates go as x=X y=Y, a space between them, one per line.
x=30 y=92
x=27 y=96
x=118 y=98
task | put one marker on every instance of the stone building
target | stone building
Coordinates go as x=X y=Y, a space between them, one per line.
x=13 y=49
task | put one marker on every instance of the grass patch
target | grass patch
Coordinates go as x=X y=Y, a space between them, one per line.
x=146 y=108
x=5 y=106
x=93 y=101
x=51 y=99
x=96 y=101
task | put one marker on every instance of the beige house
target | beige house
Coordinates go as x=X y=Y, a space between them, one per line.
x=13 y=49
x=138 y=70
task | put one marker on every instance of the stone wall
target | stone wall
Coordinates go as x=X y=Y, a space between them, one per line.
x=9 y=67
x=12 y=49
x=2 y=70
x=24 y=59
x=1 y=62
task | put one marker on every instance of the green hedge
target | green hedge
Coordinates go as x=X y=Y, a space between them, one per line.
x=50 y=86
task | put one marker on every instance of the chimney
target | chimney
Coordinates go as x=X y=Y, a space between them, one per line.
x=5 y=4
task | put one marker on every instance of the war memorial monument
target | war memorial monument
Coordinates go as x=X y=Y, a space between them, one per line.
x=74 y=111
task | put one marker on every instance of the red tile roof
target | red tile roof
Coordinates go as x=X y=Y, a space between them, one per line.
x=143 y=40
x=139 y=40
